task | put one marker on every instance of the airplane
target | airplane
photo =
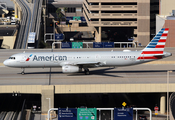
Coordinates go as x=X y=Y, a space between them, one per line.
x=72 y=62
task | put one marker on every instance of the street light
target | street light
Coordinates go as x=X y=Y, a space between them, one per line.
x=168 y=72
x=49 y=102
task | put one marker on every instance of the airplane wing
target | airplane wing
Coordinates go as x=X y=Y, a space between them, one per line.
x=87 y=63
x=90 y=64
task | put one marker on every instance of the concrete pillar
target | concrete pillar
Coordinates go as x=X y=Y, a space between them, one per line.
x=47 y=100
x=99 y=31
x=99 y=34
x=16 y=10
x=162 y=103
x=143 y=21
x=19 y=13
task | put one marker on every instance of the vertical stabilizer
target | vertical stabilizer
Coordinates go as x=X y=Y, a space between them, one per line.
x=155 y=49
x=157 y=44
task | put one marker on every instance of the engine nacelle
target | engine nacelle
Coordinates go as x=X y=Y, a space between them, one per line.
x=70 y=69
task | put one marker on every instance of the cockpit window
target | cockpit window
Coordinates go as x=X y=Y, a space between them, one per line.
x=12 y=58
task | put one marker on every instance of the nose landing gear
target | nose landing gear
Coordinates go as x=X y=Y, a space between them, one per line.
x=22 y=73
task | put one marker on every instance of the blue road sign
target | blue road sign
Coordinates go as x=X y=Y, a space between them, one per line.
x=97 y=45
x=108 y=44
x=67 y=114
x=66 y=45
x=59 y=37
x=123 y=113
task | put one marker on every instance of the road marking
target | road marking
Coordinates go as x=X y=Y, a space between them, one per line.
x=1 y=64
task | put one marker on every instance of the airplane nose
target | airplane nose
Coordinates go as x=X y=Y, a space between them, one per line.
x=5 y=62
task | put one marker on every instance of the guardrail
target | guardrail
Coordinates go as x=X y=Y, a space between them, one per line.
x=90 y=44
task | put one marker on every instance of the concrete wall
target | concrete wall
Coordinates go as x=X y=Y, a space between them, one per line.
x=166 y=7
x=90 y=88
x=8 y=42
x=171 y=34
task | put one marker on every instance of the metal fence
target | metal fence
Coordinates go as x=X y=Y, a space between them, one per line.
x=90 y=45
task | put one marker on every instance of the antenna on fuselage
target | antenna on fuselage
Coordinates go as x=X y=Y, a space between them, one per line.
x=111 y=50
x=24 y=52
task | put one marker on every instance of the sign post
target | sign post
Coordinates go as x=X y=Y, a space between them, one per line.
x=156 y=110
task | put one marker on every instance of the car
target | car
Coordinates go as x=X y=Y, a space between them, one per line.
x=142 y=117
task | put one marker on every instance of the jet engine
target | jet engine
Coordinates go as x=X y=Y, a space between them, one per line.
x=70 y=69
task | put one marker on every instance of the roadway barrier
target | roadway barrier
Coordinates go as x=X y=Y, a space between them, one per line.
x=94 y=44
x=91 y=113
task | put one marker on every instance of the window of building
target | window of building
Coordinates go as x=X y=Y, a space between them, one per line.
x=71 y=10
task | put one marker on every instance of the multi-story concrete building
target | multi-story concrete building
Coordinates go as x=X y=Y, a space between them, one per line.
x=120 y=19
x=113 y=20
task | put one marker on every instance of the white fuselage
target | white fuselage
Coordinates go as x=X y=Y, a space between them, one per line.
x=58 y=59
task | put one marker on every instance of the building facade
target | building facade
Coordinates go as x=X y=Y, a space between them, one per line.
x=120 y=14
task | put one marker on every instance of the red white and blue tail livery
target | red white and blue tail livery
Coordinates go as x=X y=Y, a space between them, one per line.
x=155 y=49
x=72 y=62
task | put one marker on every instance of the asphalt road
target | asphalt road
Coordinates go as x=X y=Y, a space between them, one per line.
x=123 y=75
x=144 y=73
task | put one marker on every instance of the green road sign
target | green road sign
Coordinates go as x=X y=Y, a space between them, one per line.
x=76 y=18
x=77 y=45
x=86 y=114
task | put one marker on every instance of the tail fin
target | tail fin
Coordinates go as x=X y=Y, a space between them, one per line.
x=157 y=44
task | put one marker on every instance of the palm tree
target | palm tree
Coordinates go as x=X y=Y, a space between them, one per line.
x=65 y=10
x=58 y=12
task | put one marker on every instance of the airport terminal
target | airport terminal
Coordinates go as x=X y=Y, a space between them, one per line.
x=144 y=91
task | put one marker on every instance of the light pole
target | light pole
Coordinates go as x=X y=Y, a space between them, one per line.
x=49 y=102
x=168 y=72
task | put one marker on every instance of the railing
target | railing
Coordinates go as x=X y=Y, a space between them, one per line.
x=122 y=23
x=90 y=44
x=118 y=23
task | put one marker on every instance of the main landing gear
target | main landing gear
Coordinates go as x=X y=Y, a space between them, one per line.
x=86 y=71
x=22 y=73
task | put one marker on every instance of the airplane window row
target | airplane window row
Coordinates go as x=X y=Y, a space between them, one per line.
x=77 y=57
x=125 y=56
x=12 y=58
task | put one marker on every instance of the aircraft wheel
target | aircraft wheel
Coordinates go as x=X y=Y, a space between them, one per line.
x=22 y=73
x=86 y=71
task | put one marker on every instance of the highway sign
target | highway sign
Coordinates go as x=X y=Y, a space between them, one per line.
x=86 y=114
x=67 y=114
x=156 y=108
x=66 y=45
x=76 y=18
x=59 y=37
x=123 y=114
x=77 y=44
